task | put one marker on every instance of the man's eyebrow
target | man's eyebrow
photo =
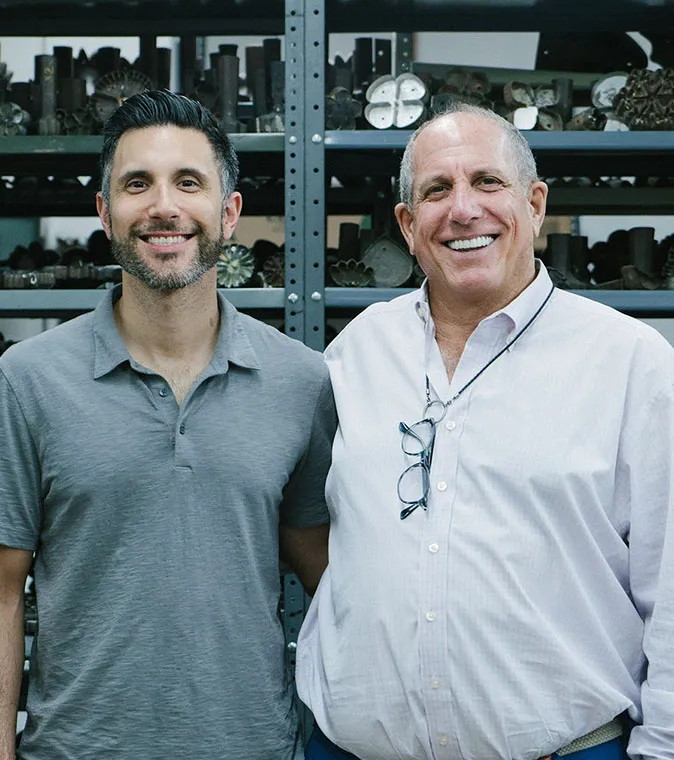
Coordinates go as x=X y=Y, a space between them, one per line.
x=193 y=171
x=145 y=174
x=133 y=174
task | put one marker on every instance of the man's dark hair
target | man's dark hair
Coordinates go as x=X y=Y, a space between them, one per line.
x=159 y=108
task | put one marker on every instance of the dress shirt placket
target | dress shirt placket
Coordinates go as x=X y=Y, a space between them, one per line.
x=444 y=498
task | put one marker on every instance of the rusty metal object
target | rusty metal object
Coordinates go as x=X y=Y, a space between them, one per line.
x=45 y=77
x=341 y=110
x=114 y=88
x=646 y=102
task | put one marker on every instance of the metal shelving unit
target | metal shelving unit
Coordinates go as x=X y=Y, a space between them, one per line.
x=559 y=154
x=260 y=155
x=635 y=302
x=568 y=16
x=60 y=18
x=56 y=303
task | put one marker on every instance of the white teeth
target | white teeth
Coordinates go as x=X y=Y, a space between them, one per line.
x=476 y=242
x=172 y=240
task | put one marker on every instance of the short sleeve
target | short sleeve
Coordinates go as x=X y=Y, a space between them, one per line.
x=303 y=502
x=19 y=474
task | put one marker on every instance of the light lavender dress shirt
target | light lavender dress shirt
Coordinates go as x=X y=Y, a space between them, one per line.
x=534 y=600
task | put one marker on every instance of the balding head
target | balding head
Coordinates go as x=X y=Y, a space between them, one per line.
x=521 y=152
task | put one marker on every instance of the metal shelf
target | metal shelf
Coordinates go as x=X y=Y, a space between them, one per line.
x=557 y=153
x=359 y=198
x=640 y=302
x=257 y=201
x=56 y=18
x=571 y=16
x=75 y=145
x=554 y=142
x=76 y=155
x=45 y=303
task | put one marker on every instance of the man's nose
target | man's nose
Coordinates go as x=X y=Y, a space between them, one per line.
x=163 y=202
x=465 y=204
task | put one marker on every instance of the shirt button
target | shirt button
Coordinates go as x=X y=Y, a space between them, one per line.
x=443 y=740
x=430 y=616
x=433 y=548
x=435 y=683
x=181 y=430
x=450 y=424
x=442 y=486
x=163 y=392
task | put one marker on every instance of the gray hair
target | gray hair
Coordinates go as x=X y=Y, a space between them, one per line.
x=524 y=158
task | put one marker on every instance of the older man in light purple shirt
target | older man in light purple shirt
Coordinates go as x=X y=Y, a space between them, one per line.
x=522 y=607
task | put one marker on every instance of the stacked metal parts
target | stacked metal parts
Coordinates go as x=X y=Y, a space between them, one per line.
x=628 y=260
x=73 y=94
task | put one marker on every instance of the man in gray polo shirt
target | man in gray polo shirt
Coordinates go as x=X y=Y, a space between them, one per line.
x=155 y=454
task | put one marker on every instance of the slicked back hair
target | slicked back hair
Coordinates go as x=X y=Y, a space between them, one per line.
x=160 y=108
x=522 y=155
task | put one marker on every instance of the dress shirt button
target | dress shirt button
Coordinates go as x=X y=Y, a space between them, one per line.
x=442 y=486
x=450 y=424
x=435 y=683
x=443 y=740
x=433 y=548
x=181 y=430
x=163 y=392
x=430 y=616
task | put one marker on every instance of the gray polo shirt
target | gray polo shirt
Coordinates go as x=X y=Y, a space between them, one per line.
x=156 y=532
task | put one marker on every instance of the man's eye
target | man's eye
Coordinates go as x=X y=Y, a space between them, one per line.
x=135 y=184
x=436 y=189
x=189 y=183
x=490 y=182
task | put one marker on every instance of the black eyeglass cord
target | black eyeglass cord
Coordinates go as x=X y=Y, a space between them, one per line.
x=508 y=345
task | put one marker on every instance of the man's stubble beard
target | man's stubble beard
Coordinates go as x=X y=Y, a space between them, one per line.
x=124 y=251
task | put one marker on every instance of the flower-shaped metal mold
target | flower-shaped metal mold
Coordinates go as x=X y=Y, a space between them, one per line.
x=351 y=274
x=236 y=266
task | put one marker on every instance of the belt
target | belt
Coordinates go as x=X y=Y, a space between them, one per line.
x=611 y=730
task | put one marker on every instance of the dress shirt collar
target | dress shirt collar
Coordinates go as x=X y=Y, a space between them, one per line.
x=110 y=351
x=519 y=311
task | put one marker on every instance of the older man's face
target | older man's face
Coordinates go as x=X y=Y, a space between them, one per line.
x=472 y=224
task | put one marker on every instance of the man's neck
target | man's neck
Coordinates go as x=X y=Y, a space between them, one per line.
x=168 y=326
x=457 y=318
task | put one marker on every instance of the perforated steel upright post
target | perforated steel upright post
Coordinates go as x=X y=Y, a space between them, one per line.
x=294 y=168
x=314 y=200
x=294 y=601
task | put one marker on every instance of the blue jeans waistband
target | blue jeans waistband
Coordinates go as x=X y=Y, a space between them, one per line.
x=321 y=748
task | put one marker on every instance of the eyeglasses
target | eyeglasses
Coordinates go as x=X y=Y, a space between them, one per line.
x=417 y=441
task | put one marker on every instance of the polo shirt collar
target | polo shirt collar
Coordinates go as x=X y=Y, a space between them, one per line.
x=233 y=346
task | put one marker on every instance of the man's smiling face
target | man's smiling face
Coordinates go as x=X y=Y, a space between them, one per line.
x=167 y=221
x=472 y=223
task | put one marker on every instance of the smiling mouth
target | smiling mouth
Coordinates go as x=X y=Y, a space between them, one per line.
x=173 y=239
x=468 y=245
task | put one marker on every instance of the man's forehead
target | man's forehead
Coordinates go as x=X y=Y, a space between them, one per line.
x=464 y=136
x=162 y=143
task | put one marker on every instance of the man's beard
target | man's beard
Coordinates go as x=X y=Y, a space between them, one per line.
x=124 y=251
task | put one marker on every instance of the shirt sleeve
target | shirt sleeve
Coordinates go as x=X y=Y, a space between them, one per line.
x=303 y=502
x=648 y=456
x=19 y=474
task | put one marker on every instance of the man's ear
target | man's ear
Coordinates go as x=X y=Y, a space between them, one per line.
x=538 y=195
x=103 y=213
x=406 y=223
x=230 y=214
